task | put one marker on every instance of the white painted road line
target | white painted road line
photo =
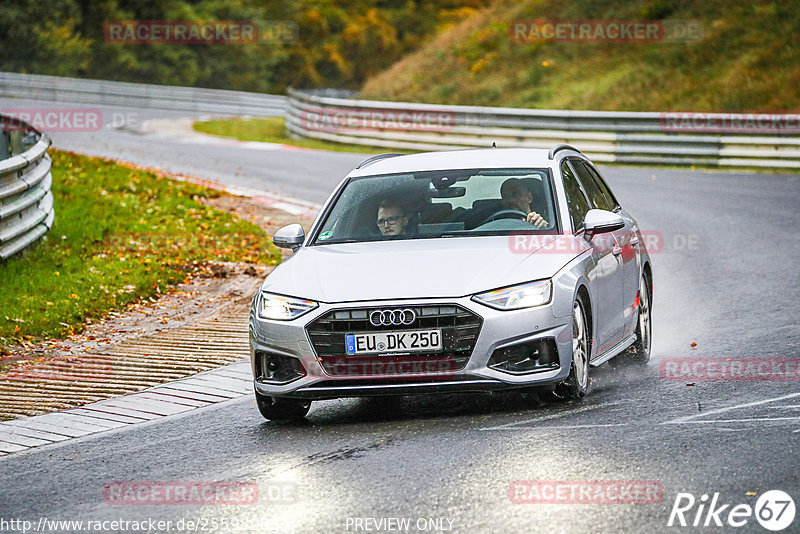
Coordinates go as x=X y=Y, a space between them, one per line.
x=557 y=427
x=197 y=391
x=690 y=418
x=745 y=420
x=519 y=425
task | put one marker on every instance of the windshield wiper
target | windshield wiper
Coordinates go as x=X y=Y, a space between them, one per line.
x=335 y=241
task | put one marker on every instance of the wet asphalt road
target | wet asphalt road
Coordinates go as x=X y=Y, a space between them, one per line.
x=725 y=279
x=305 y=174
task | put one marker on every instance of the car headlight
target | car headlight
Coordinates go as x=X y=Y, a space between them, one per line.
x=517 y=297
x=282 y=308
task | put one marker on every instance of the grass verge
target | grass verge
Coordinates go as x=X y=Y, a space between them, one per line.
x=120 y=235
x=273 y=130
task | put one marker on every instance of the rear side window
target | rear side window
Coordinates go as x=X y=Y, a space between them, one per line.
x=601 y=184
x=599 y=197
x=577 y=203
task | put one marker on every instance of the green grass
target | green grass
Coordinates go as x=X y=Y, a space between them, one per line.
x=120 y=235
x=273 y=130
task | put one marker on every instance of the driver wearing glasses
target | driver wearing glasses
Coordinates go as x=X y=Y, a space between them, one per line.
x=516 y=196
x=392 y=218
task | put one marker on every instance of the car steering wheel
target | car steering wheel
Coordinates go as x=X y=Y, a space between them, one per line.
x=504 y=214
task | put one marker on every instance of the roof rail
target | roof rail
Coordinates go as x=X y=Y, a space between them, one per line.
x=556 y=148
x=372 y=159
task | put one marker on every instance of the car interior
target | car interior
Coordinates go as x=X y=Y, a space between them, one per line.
x=433 y=211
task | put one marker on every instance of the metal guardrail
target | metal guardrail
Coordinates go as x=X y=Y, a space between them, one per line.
x=124 y=94
x=620 y=137
x=26 y=203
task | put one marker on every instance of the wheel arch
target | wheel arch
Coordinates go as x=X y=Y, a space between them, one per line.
x=647 y=272
x=582 y=293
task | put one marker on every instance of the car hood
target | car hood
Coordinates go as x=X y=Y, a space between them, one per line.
x=421 y=268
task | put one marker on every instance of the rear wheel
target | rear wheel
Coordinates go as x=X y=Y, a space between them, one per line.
x=640 y=349
x=577 y=383
x=282 y=409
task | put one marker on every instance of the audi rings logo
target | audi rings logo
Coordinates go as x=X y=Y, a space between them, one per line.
x=392 y=317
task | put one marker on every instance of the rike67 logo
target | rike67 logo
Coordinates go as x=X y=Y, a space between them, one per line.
x=774 y=510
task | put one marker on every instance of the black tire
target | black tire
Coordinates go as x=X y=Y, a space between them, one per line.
x=640 y=350
x=282 y=410
x=577 y=383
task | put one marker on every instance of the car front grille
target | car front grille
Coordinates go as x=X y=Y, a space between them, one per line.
x=460 y=328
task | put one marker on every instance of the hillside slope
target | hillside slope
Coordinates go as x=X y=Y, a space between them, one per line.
x=302 y=43
x=748 y=59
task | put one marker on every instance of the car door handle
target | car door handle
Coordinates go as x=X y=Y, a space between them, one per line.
x=634 y=240
x=616 y=251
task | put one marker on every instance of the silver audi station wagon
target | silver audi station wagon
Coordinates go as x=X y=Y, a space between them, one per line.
x=455 y=271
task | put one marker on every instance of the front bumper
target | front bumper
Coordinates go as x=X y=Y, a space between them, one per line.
x=499 y=330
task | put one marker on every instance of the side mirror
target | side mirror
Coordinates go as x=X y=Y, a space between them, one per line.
x=600 y=222
x=291 y=236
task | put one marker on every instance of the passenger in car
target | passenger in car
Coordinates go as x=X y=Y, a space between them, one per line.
x=517 y=196
x=392 y=218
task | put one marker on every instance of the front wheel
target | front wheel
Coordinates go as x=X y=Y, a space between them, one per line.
x=577 y=383
x=282 y=409
x=641 y=347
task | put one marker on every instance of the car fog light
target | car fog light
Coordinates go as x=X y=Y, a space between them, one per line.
x=528 y=357
x=277 y=368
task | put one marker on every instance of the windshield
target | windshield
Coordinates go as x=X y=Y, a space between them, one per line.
x=442 y=203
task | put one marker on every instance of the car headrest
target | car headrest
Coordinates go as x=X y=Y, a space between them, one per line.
x=433 y=213
x=487 y=204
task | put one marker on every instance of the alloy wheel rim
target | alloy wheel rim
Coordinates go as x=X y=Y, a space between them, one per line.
x=579 y=352
x=644 y=315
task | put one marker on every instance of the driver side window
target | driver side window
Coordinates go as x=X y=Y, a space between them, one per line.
x=577 y=202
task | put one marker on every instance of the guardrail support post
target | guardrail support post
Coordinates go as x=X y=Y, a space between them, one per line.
x=5 y=145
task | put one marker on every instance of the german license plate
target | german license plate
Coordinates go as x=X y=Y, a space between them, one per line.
x=407 y=341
